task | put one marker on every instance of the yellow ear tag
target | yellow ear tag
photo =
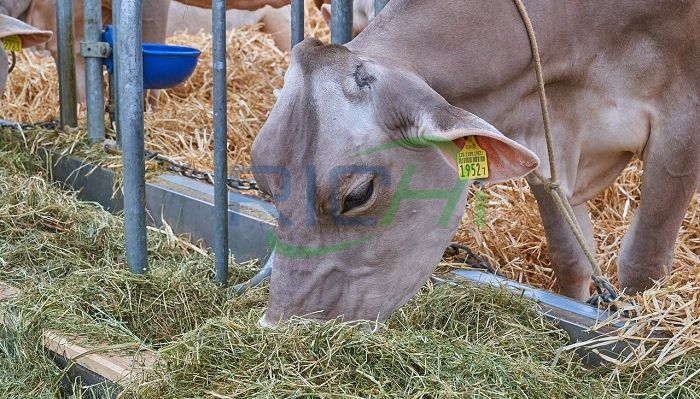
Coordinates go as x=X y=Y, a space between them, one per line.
x=472 y=162
x=12 y=43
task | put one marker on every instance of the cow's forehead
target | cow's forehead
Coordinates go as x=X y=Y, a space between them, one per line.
x=314 y=123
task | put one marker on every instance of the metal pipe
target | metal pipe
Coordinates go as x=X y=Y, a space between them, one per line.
x=66 y=63
x=114 y=83
x=258 y=279
x=129 y=59
x=220 y=142
x=379 y=5
x=341 y=21
x=92 y=13
x=297 y=22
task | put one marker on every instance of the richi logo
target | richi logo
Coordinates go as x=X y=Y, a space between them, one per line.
x=471 y=166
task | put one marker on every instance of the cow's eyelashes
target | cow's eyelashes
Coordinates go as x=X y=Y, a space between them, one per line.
x=362 y=78
x=359 y=196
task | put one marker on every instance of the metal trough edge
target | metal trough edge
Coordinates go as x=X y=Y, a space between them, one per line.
x=186 y=205
x=574 y=317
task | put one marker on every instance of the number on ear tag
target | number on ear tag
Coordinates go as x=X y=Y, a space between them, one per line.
x=472 y=162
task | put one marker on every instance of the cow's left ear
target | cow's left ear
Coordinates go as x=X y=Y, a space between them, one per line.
x=451 y=129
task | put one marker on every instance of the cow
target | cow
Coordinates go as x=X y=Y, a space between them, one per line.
x=275 y=21
x=362 y=13
x=22 y=36
x=42 y=14
x=370 y=133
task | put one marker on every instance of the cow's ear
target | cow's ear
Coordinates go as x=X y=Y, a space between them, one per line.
x=451 y=129
x=326 y=13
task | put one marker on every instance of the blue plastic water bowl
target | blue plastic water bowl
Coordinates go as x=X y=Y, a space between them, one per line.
x=164 y=66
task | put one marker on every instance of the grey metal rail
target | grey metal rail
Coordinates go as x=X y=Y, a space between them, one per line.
x=93 y=51
x=129 y=59
x=220 y=142
x=379 y=5
x=66 y=63
x=341 y=21
x=297 y=22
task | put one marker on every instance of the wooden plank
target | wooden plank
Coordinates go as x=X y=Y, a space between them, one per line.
x=122 y=370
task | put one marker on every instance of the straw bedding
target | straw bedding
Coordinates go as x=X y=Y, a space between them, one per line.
x=512 y=239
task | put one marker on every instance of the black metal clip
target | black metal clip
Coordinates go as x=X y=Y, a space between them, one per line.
x=472 y=259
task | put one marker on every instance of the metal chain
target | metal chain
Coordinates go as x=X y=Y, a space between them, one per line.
x=236 y=183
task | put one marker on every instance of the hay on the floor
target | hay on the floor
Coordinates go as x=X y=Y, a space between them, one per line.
x=513 y=238
x=68 y=258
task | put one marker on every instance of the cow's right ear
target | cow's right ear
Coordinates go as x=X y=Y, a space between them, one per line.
x=27 y=34
x=453 y=129
x=420 y=115
x=414 y=113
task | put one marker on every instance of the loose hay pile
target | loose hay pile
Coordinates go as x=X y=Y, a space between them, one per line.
x=68 y=259
x=512 y=239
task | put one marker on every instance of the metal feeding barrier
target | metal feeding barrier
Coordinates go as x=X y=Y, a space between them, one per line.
x=126 y=105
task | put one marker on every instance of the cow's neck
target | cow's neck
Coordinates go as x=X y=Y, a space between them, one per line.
x=473 y=52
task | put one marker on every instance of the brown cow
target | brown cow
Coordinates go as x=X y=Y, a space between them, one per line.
x=28 y=36
x=368 y=134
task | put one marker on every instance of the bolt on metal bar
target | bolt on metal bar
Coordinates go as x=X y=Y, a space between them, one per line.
x=129 y=59
x=297 y=22
x=66 y=63
x=92 y=13
x=220 y=142
x=341 y=21
x=379 y=5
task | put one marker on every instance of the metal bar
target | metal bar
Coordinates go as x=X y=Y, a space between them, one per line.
x=297 y=22
x=129 y=57
x=92 y=13
x=220 y=142
x=379 y=5
x=66 y=63
x=113 y=82
x=341 y=21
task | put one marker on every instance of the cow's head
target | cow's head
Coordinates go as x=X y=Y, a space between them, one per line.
x=359 y=157
x=15 y=33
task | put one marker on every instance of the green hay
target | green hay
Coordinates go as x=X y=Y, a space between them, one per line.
x=68 y=259
x=456 y=354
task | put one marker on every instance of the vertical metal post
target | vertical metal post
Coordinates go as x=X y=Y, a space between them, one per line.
x=92 y=13
x=129 y=59
x=341 y=21
x=66 y=63
x=220 y=142
x=113 y=82
x=379 y=5
x=297 y=22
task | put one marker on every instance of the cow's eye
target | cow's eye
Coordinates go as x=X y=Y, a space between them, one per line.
x=358 y=196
